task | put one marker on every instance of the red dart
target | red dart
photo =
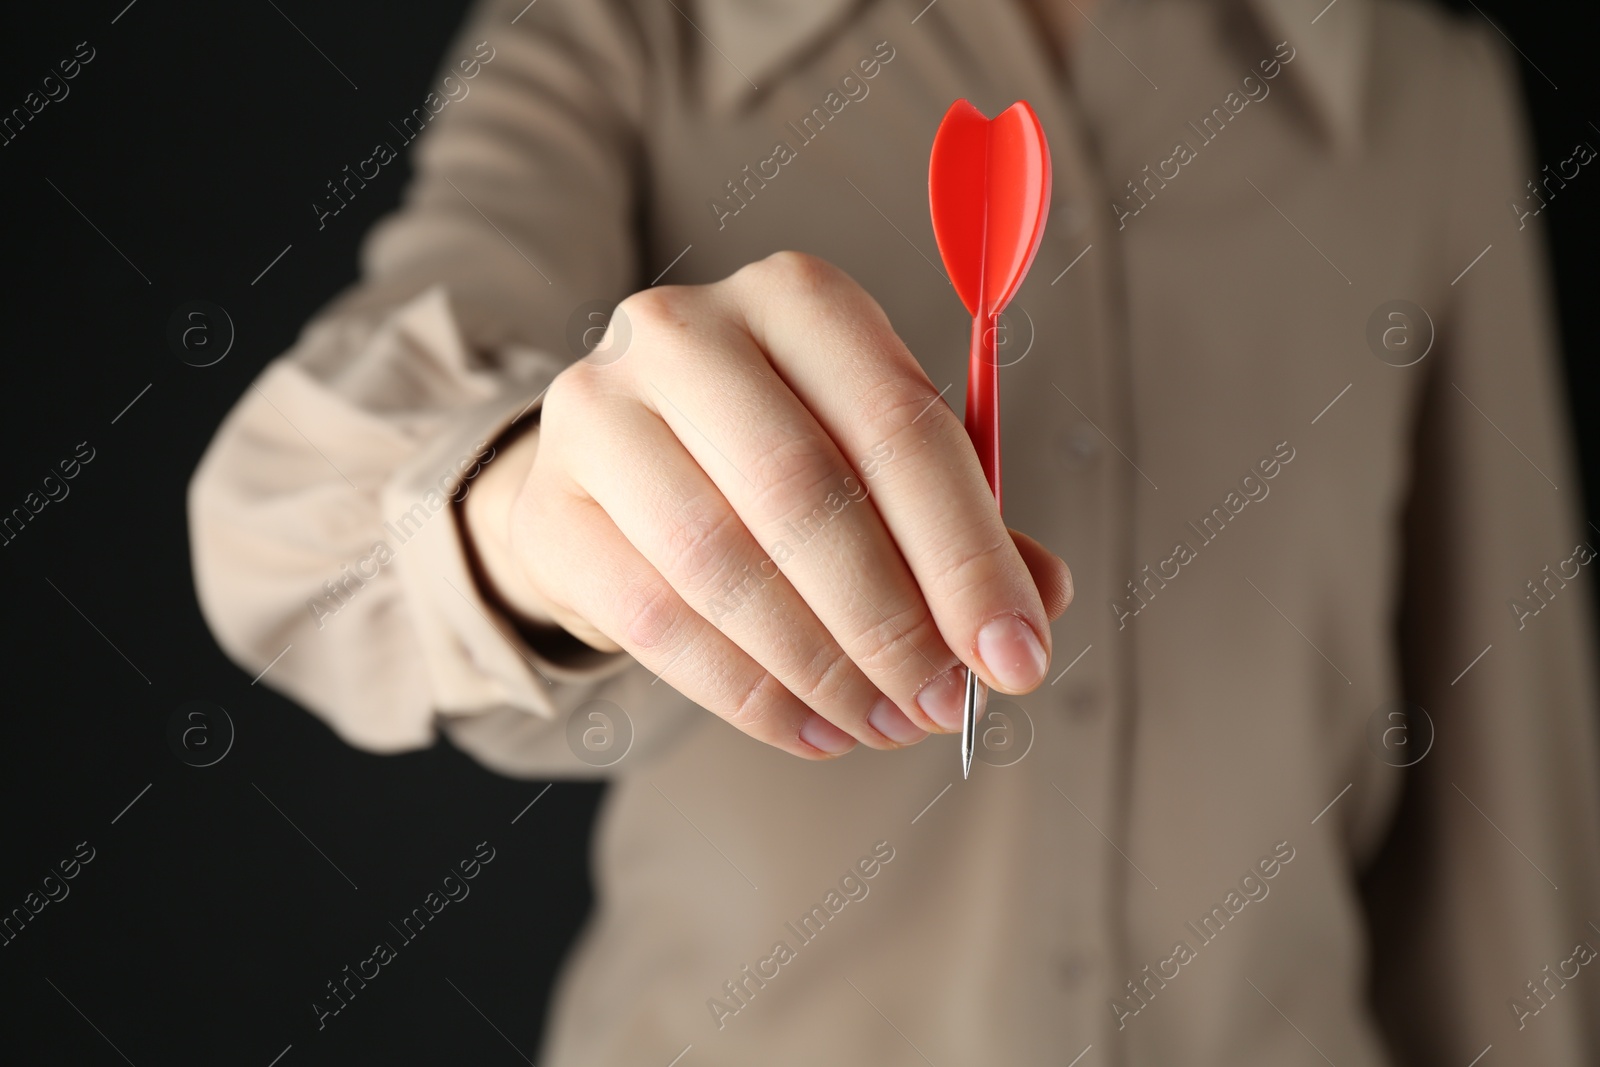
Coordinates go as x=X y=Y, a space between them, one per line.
x=989 y=193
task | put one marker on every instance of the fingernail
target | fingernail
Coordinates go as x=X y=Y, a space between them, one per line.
x=1012 y=653
x=941 y=699
x=821 y=734
x=892 y=723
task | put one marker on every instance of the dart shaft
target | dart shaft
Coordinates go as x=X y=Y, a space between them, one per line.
x=983 y=426
x=983 y=397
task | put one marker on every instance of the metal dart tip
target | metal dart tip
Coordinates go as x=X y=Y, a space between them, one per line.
x=972 y=709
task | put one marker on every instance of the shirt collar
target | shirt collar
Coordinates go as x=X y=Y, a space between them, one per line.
x=1331 y=57
x=757 y=37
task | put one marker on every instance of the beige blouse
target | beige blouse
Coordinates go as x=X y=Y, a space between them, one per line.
x=1281 y=388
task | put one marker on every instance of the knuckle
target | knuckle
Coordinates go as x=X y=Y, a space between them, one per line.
x=662 y=308
x=968 y=564
x=699 y=550
x=887 y=644
x=826 y=678
x=652 y=614
x=800 y=273
x=756 y=706
x=910 y=416
x=572 y=394
x=898 y=401
x=797 y=474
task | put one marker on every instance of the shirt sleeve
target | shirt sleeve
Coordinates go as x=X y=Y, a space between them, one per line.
x=1483 y=896
x=324 y=541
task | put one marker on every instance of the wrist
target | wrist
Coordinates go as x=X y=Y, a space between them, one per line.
x=484 y=518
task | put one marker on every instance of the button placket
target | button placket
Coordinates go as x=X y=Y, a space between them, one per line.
x=1084 y=702
x=1074 y=967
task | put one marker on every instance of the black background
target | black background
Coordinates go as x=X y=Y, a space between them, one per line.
x=206 y=924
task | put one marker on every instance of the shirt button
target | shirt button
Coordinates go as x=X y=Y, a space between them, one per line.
x=1076 y=446
x=1073 y=968
x=1070 y=216
x=1083 y=702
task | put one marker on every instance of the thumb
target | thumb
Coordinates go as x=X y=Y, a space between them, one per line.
x=1050 y=574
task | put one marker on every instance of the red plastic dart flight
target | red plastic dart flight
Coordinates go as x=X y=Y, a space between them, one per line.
x=989 y=192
